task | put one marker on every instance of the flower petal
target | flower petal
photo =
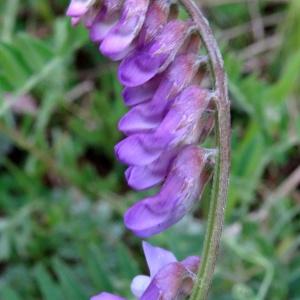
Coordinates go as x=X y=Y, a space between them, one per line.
x=144 y=64
x=90 y=17
x=144 y=177
x=186 y=180
x=168 y=283
x=152 y=292
x=102 y=25
x=118 y=41
x=134 y=151
x=148 y=115
x=191 y=263
x=156 y=18
x=75 y=21
x=157 y=258
x=106 y=19
x=142 y=118
x=85 y=11
x=185 y=123
x=78 y=8
x=141 y=177
x=139 y=284
x=140 y=94
x=189 y=111
x=107 y=296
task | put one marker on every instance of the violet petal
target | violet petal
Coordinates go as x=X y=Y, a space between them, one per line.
x=187 y=122
x=148 y=115
x=139 y=284
x=134 y=151
x=181 y=190
x=168 y=283
x=144 y=64
x=191 y=263
x=144 y=177
x=156 y=18
x=182 y=125
x=140 y=94
x=106 y=19
x=157 y=258
x=107 y=296
x=119 y=39
x=78 y=8
x=102 y=25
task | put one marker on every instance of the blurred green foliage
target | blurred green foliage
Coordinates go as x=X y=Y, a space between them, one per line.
x=62 y=193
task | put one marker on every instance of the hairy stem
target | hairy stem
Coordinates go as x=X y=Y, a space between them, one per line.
x=221 y=176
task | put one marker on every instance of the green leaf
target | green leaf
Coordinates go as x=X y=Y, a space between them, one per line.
x=127 y=264
x=47 y=286
x=35 y=52
x=69 y=284
x=12 y=66
x=9 y=294
x=93 y=259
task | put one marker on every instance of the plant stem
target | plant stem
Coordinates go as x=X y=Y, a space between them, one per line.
x=221 y=176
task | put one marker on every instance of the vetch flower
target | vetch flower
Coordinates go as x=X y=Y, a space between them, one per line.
x=169 y=279
x=142 y=93
x=149 y=175
x=156 y=18
x=149 y=114
x=182 y=188
x=105 y=20
x=117 y=42
x=107 y=296
x=82 y=10
x=183 y=125
x=78 y=8
x=180 y=73
x=143 y=64
x=187 y=122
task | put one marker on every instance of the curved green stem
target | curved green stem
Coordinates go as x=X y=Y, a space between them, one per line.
x=221 y=176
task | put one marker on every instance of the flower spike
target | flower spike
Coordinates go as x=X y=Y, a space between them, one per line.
x=169 y=115
x=169 y=118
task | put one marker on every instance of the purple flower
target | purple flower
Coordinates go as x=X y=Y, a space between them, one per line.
x=169 y=279
x=149 y=114
x=107 y=296
x=82 y=10
x=105 y=20
x=117 y=42
x=182 y=125
x=181 y=72
x=79 y=8
x=156 y=18
x=147 y=176
x=182 y=188
x=155 y=57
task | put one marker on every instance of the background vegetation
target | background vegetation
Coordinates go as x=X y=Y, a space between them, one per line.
x=62 y=192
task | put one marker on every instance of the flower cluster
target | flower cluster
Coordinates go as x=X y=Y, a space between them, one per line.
x=169 y=116
x=169 y=113
x=169 y=279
